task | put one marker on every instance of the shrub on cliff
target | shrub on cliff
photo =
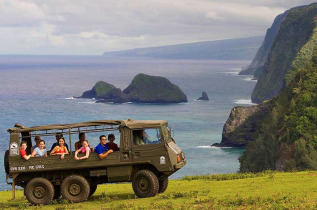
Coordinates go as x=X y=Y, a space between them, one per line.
x=292 y=122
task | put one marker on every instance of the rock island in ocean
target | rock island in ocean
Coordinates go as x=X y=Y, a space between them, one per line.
x=143 y=89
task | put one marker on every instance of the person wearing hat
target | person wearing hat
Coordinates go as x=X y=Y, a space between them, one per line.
x=37 y=140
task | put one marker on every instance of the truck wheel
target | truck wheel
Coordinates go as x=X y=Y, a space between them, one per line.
x=75 y=188
x=57 y=193
x=93 y=188
x=145 y=184
x=163 y=183
x=6 y=161
x=39 y=191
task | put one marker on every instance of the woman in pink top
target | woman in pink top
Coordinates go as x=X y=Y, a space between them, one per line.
x=85 y=149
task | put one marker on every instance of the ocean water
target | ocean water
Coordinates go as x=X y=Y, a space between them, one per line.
x=39 y=90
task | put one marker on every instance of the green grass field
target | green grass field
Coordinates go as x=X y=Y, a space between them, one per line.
x=269 y=190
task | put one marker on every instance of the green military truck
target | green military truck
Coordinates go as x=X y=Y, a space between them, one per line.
x=147 y=165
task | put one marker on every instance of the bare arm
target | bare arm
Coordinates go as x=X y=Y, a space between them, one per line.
x=66 y=151
x=76 y=153
x=26 y=157
x=53 y=152
x=86 y=156
x=102 y=156
x=33 y=153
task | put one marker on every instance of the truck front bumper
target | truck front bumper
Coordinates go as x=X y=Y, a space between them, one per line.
x=180 y=165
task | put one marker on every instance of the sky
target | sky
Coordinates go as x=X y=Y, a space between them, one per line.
x=91 y=27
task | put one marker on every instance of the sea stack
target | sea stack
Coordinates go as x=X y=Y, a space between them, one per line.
x=204 y=97
x=143 y=89
x=153 y=89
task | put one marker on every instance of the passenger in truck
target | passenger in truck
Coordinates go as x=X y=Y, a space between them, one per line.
x=58 y=136
x=60 y=149
x=40 y=151
x=37 y=140
x=140 y=137
x=23 y=147
x=102 y=148
x=82 y=138
x=85 y=149
x=111 y=143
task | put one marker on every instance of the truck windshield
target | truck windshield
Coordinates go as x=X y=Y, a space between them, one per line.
x=166 y=133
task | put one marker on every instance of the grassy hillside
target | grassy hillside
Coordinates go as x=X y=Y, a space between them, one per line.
x=269 y=190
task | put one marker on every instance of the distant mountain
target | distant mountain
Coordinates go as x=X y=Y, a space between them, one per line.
x=228 y=49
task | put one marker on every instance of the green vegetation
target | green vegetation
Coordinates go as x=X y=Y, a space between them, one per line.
x=269 y=190
x=287 y=139
x=143 y=89
x=304 y=55
x=154 y=89
x=296 y=30
x=101 y=88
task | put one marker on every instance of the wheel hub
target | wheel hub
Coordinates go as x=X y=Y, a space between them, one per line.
x=39 y=192
x=74 y=189
x=143 y=184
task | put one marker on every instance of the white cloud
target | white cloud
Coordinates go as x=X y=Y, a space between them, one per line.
x=92 y=27
x=19 y=13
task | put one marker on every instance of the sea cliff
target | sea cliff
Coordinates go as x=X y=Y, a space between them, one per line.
x=281 y=133
x=295 y=31
x=257 y=64
x=241 y=126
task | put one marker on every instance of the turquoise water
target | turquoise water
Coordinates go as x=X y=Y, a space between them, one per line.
x=38 y=90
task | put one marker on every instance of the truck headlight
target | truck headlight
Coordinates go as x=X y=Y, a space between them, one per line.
x=178 y=159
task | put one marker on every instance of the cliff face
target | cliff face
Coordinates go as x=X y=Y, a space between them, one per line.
x=143 y=89
x=256 y=66
x=295 y=31
x=241 y=126
x=282 y=135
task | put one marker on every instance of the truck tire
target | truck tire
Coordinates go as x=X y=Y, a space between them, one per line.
x=75 y=189
x=39 y=191
x=163 y=183
x=93 y=188
x=145 y=184
x=6 y=161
